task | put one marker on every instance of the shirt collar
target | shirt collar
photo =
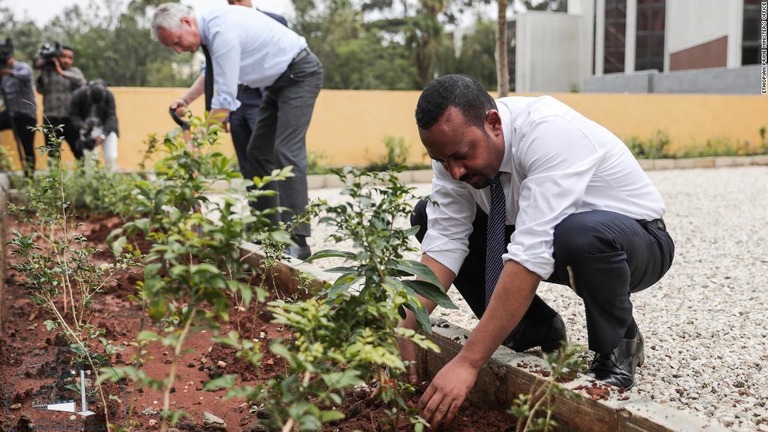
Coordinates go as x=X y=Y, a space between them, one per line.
x=506 y=128
x=203 y=30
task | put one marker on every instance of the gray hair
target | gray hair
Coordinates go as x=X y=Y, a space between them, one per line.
x=168 y=16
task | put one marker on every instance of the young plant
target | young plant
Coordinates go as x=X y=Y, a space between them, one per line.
x=193 y=268
x=534 y=410
x=348 y=334
x=59 y=272
x=396 y=157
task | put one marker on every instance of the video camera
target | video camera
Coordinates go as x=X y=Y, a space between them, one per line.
x=91 y=129
x=6 y=52
x=49 y=51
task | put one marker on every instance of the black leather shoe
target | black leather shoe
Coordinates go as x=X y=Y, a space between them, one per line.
x=618 y=367
x=300 y=252
x=548 y=335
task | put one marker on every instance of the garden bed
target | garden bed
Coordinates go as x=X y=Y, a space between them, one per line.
x=35 y=369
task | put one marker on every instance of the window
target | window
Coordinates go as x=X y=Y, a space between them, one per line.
x=750 y=34
x=615 y=35
x=649 y=45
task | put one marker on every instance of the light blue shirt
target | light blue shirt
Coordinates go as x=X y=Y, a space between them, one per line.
x=248 y=47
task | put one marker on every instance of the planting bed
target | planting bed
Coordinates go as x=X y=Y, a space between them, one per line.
x=35 y=365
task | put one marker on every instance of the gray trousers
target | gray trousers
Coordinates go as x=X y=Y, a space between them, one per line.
x=279 y=138
x=242 y=122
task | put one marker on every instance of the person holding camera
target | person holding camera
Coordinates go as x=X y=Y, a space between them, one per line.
x=20 y=112
x=92 y=113
x=57 y=82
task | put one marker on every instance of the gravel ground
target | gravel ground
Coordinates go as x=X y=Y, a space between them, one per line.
x=704 y=323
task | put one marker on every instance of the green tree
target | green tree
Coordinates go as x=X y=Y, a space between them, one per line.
x=354 y=55
x=477 y=54
x=113 y=43
x=546 y=5
x=24 y=33
x=421 y=29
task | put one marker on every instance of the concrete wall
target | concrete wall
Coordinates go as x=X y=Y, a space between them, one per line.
x=548 y=49
x=640 y=82
x=743 y=80
x=585 y=10
x=349 y=126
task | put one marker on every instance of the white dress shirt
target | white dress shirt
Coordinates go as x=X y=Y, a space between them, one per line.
x=248 y=47
x=556 y=163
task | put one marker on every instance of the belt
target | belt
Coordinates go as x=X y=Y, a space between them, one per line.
x=303 y=53
x=242 y=86
x=656 y=223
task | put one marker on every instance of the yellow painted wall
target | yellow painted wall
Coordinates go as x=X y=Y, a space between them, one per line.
x=349 y=127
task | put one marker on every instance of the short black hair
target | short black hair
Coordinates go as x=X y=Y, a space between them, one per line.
x=97 y=93
x=459 y=91
x=68 y=48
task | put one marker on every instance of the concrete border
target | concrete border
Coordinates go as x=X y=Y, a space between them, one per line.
x=509 y=373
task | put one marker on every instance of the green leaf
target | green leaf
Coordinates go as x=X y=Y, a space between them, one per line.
x=118 y=245
x=431 y=292
x=343 y=283
x=330 y=416
x=419 y=270
x=222 y=382
x=329 y=253
x=231 y=339
x=147 y=336
x=421 y=314
x=343 y=269
x=341 y=380
x=247 y=293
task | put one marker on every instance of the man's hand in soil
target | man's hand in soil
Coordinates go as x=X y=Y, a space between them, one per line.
x=511 y=298
x=442 y=399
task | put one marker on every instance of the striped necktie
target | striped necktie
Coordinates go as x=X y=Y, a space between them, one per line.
x=495 y=242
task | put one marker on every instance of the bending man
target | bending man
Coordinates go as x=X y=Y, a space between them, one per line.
x=530 y=190
x=246 y=46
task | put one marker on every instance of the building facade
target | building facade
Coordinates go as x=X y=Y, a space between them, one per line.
x=678 y=46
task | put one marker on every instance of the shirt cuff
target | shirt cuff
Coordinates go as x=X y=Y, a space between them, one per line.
x=224 y=102
x=540 y=263
x=445 y=251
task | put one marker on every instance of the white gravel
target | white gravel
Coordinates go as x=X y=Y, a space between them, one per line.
x=705 y=326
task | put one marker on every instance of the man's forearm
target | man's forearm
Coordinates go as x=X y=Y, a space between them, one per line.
x=195 y=90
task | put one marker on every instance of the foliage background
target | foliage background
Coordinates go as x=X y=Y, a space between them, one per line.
x=363 y=44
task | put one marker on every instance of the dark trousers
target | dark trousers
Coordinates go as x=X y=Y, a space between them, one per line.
x=61 y=127
x=610 y=256
x=242 y=123
x=24 y=132
x=279 y=139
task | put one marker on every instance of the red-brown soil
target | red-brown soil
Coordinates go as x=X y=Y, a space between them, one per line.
x=35 y=366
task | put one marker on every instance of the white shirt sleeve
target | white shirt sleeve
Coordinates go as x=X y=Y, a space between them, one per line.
x=225 y=55
x=557 y=161
x=450 y=221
